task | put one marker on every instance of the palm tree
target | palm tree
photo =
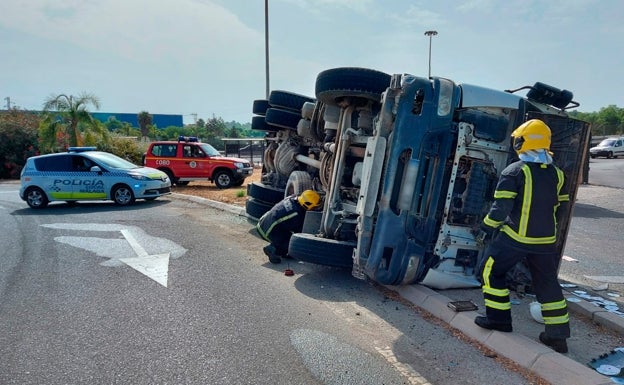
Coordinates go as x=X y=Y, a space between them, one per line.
x=145 y=119
x=65 y=113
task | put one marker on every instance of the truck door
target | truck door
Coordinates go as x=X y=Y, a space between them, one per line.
x=193 y=162
x=570 y=141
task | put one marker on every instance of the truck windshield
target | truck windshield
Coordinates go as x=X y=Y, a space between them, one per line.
x=209 y=150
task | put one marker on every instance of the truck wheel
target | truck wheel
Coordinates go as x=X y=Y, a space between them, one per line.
x=259 y=124
x=288 y=101
x=256 y=208
x=223 y=179
x=298 y=182
x=265 y=192
x=36 y=198
x=122 y=195
x=282 y=118
x=321 y=251
x=337 y=83
x=260 y=106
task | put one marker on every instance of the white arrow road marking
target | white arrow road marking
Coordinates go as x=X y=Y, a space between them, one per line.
x=154 y=266
x=128 y=249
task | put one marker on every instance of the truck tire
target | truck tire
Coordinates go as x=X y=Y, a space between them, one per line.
x=337 y=83
x=259 y=124
x=260 y=106
x=256 y=208
x=282 y=118
x=321 y=251
x=298 y=182
x=264 y=192
x=288 y=101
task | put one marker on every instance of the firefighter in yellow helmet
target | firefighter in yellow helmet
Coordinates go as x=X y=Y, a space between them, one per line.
x=285 y=218
x=523 y=220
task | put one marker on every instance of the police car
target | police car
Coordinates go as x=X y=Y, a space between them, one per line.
x=82 y=173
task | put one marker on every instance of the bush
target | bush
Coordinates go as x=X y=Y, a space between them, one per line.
x=127 y=148
x=18 y=141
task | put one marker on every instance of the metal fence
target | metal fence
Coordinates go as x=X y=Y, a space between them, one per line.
x=251 y=149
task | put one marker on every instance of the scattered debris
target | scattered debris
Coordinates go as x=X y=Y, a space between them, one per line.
x=610 y=306
x=535 y=308
x=602 y=287
x=569 y=259
x=610 y=364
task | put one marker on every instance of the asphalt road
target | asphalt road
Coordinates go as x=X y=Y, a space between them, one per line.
x=174 y=292
x=86 y=297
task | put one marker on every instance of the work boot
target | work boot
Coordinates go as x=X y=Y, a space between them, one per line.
x=271 y=252
x=486 y=323
x=557 y=344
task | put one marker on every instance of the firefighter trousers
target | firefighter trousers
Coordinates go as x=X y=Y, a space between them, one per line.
x=543 y=267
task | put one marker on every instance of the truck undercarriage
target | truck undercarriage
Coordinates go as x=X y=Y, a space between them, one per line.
x=406 y=166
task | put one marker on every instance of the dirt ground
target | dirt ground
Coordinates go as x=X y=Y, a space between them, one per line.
x=234 y=195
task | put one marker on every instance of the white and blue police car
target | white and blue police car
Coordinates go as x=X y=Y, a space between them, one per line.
x=83 y=174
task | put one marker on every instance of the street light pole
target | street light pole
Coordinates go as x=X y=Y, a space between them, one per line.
x=431 y=34
x=266 y=44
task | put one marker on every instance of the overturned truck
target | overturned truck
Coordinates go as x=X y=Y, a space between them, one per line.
x=407 y=167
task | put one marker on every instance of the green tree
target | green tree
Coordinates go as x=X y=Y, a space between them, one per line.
x=145 y=120
x=215 y=127
x=65 y=118
x=233 y=133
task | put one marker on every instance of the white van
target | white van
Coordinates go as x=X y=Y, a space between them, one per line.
x=609 y=148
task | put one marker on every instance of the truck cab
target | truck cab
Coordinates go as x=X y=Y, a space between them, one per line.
x=408 y=165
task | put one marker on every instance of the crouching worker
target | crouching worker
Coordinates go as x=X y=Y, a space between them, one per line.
x=285 y=218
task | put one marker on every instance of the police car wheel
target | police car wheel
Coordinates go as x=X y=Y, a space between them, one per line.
x=36 y=198
x=123 y=195
x=223 y=179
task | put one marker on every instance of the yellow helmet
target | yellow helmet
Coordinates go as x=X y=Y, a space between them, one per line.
x=531 y=135
x=309 y=199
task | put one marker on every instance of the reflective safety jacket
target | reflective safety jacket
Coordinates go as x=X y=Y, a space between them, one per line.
x=278 y=224
x=525 y=206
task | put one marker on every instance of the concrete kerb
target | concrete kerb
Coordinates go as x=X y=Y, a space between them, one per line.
x=597 y=314
x=217 y=205
x=524 y=351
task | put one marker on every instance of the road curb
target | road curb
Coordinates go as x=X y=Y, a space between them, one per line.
x=554 y=367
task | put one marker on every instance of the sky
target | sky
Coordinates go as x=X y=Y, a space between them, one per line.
x=206 y=58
